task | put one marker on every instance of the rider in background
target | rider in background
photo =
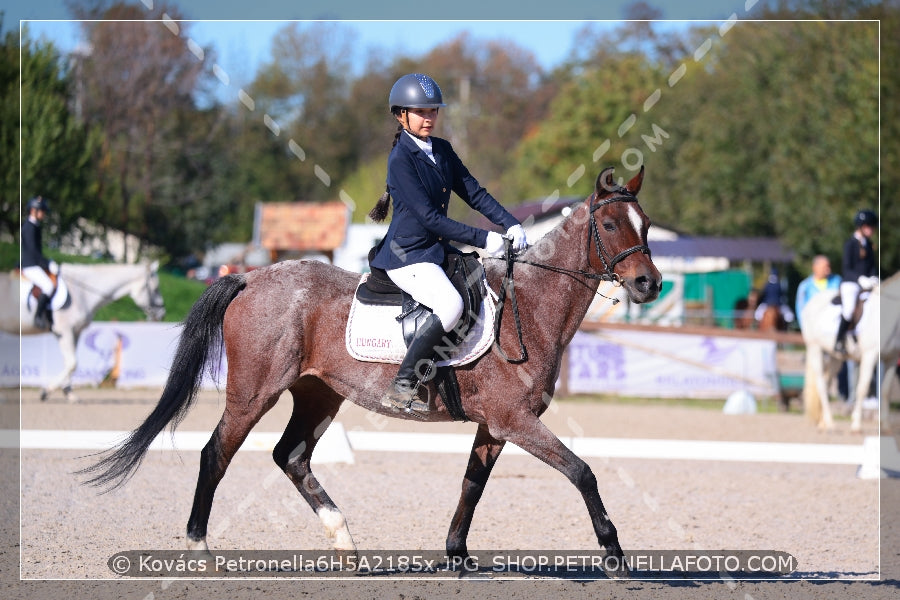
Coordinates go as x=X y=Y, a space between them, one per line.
x=35 y=266
x=422 y=171
x=773 y=295
x=859 y=271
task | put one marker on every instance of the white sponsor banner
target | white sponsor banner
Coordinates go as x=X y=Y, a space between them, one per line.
x=145 y=352
x=669 y=365
x=623 y=362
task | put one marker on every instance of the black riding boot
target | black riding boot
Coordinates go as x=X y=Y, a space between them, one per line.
x=840 y=346
x=43 y=316
x=402 y=392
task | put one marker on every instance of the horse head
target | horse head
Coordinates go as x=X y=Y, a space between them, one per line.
x=145 y=293
x=619 y=237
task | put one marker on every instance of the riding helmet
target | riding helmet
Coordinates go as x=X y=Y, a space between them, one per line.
x=865 y=217
x=38 y=203
x=415 y=91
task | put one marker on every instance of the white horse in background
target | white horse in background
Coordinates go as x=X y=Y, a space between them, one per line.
x=89 y=287
x=890 y=340
x=820 y=323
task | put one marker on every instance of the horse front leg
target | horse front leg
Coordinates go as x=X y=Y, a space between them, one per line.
x=529 y=433
x=485 y=451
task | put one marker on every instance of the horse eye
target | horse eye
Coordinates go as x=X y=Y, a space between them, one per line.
x=609 y=226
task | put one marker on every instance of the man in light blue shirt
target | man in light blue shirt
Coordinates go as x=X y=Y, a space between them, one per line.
x=821 y=279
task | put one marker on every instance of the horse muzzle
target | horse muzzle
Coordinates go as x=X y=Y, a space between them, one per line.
x=644 y=287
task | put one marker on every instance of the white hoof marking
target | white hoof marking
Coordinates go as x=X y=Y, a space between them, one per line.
x=336 y=528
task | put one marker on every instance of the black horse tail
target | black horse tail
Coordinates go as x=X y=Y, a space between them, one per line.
x=201 y=341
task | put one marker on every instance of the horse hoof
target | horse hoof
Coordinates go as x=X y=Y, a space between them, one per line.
x=198 y=546
x=44 y=395
x=616 y=569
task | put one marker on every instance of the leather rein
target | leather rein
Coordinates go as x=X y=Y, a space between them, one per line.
x=609 y=264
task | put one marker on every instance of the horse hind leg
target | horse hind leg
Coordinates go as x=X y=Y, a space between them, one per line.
x=230 y=433
x=315 y=406
x=485 y=451
x=68 y=343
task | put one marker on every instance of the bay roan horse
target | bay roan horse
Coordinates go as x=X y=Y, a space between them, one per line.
x=283 y=328
x=90 y=287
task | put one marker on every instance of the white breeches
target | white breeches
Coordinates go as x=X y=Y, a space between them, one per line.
x=849 y=293
x=428 y=284
x=39 y=277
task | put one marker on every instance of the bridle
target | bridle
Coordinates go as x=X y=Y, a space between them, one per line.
x=609 y=264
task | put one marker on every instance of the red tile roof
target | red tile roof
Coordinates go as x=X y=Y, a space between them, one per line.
x=303 y=225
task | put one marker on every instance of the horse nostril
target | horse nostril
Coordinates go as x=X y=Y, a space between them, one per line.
x=646 y=284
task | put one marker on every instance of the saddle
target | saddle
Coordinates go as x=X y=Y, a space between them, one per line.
x=464 y=271
x=857 y=312
x=35 y=290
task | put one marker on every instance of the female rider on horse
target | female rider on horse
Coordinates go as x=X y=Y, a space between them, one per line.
x=422 y=171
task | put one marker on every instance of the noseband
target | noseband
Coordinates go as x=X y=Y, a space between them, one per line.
x=610 y=263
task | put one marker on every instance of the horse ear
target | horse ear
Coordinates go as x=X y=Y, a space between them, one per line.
x=605 y=183
x=634 y=186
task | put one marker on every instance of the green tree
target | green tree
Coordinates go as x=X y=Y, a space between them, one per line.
x=304 y=90
x=56 y=147
x=137 y=83
x=776 y=134
x=565 y=152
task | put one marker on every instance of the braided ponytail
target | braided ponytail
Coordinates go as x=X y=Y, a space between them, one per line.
x=380 y=211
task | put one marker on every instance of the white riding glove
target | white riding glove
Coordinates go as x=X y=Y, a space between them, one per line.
x=867 y=283
x=495 y=245
x=54 y=267
x=517 y=234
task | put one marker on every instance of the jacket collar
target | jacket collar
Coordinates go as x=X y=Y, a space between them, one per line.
x=409 y=143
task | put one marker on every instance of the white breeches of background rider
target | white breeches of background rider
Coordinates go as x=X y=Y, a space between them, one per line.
x=428 y=284
x=39 y=277
x=849 y=293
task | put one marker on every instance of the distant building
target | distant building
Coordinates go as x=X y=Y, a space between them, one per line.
x=300 y=229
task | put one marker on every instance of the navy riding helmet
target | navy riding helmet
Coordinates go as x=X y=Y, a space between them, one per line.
x=865 y=217
x=415 y=91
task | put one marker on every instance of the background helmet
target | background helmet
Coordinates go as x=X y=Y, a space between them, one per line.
x=865 y=217
x=415 y=91
x=38 y=203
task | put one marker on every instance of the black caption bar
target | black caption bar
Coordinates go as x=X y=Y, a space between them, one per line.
x=569 y=564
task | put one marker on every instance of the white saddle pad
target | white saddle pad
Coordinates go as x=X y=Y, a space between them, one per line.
x=57 y=302
x=374 y=335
